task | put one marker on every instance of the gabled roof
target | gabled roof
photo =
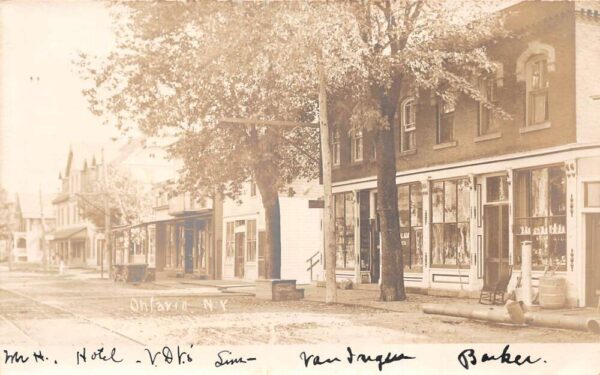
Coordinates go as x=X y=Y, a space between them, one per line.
x=85 y=154
x=29 y=205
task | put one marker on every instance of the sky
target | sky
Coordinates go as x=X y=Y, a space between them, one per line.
x=40 y=118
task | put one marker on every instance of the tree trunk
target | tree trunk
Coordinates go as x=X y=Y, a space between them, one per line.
x=270 y=199
x=392 y=270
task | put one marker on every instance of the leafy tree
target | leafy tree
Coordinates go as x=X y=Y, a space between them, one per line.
x=7 y=221
x=180 y=67
x=376 y=50
x=127 y=199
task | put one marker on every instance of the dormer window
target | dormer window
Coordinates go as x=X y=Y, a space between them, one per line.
x=408 y=125
x=537 y=90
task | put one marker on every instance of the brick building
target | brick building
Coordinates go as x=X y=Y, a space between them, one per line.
x=472 y=187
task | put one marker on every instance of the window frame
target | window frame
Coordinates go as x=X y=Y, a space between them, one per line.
x=456 y=222
x=441 y=116
x=347 y=225
x=492 y=123
x=356 y=139
x=251 y=239
x=335 y=148
x=531 y=93
x=229 y=240
x=408 y=128
x=526 y=223
x=412 y=227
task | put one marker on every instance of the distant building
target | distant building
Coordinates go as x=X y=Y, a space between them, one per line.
x=28 y=240
x=76 y=240
x=244 y=234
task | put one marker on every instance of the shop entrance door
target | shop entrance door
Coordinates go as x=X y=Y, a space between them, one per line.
x=592 y=264
x=239 y=255
x=495 y=228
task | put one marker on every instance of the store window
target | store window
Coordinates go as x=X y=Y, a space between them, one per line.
x=251 y=241
x=344 y=230
x=450 y=223
x=410 y=209
x=230 y=240
x=408 y=125
x=540 y=216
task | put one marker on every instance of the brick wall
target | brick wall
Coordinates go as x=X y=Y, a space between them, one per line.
x=539 y=22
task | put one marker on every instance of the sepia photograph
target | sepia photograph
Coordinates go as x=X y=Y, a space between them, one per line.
x=299 y=186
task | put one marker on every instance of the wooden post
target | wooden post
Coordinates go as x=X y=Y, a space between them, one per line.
x=328 y=218
x=107 y=217
x=43 y=240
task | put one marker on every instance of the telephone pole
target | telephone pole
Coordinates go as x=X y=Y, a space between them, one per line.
x=107 y=223
x=328 y=217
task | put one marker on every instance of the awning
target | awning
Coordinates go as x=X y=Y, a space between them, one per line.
x=79 y=233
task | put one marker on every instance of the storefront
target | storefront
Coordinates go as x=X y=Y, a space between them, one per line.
x=188 y=246
x=243 y=255
x=70 y=246
x=462 y=226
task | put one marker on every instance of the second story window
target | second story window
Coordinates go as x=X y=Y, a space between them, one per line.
x=357 y=146
x=252 y=187
x=487 y=123
x=445 y=122
x=537 y=90
x=408 y=125
x=335 y=148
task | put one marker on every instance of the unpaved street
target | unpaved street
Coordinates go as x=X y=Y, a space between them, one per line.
x=80 y=308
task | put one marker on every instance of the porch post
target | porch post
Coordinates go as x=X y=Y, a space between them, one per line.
x=356 y=212
x=473 y=282
x=573 y=296
x=511 y=238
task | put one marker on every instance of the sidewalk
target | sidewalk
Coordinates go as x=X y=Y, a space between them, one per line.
x=370 y=298
x=412 y=305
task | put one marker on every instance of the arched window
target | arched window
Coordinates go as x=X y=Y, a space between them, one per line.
x=408 y=125
x=533 y=66
x=536 y=71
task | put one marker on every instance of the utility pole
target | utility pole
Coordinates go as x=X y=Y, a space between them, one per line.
x=107 y=223
x=328 y=217
x=43 y=240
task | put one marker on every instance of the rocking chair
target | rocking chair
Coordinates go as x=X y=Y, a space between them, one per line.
x=492 y=291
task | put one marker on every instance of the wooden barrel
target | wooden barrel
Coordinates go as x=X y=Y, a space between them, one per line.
x=553 y=292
